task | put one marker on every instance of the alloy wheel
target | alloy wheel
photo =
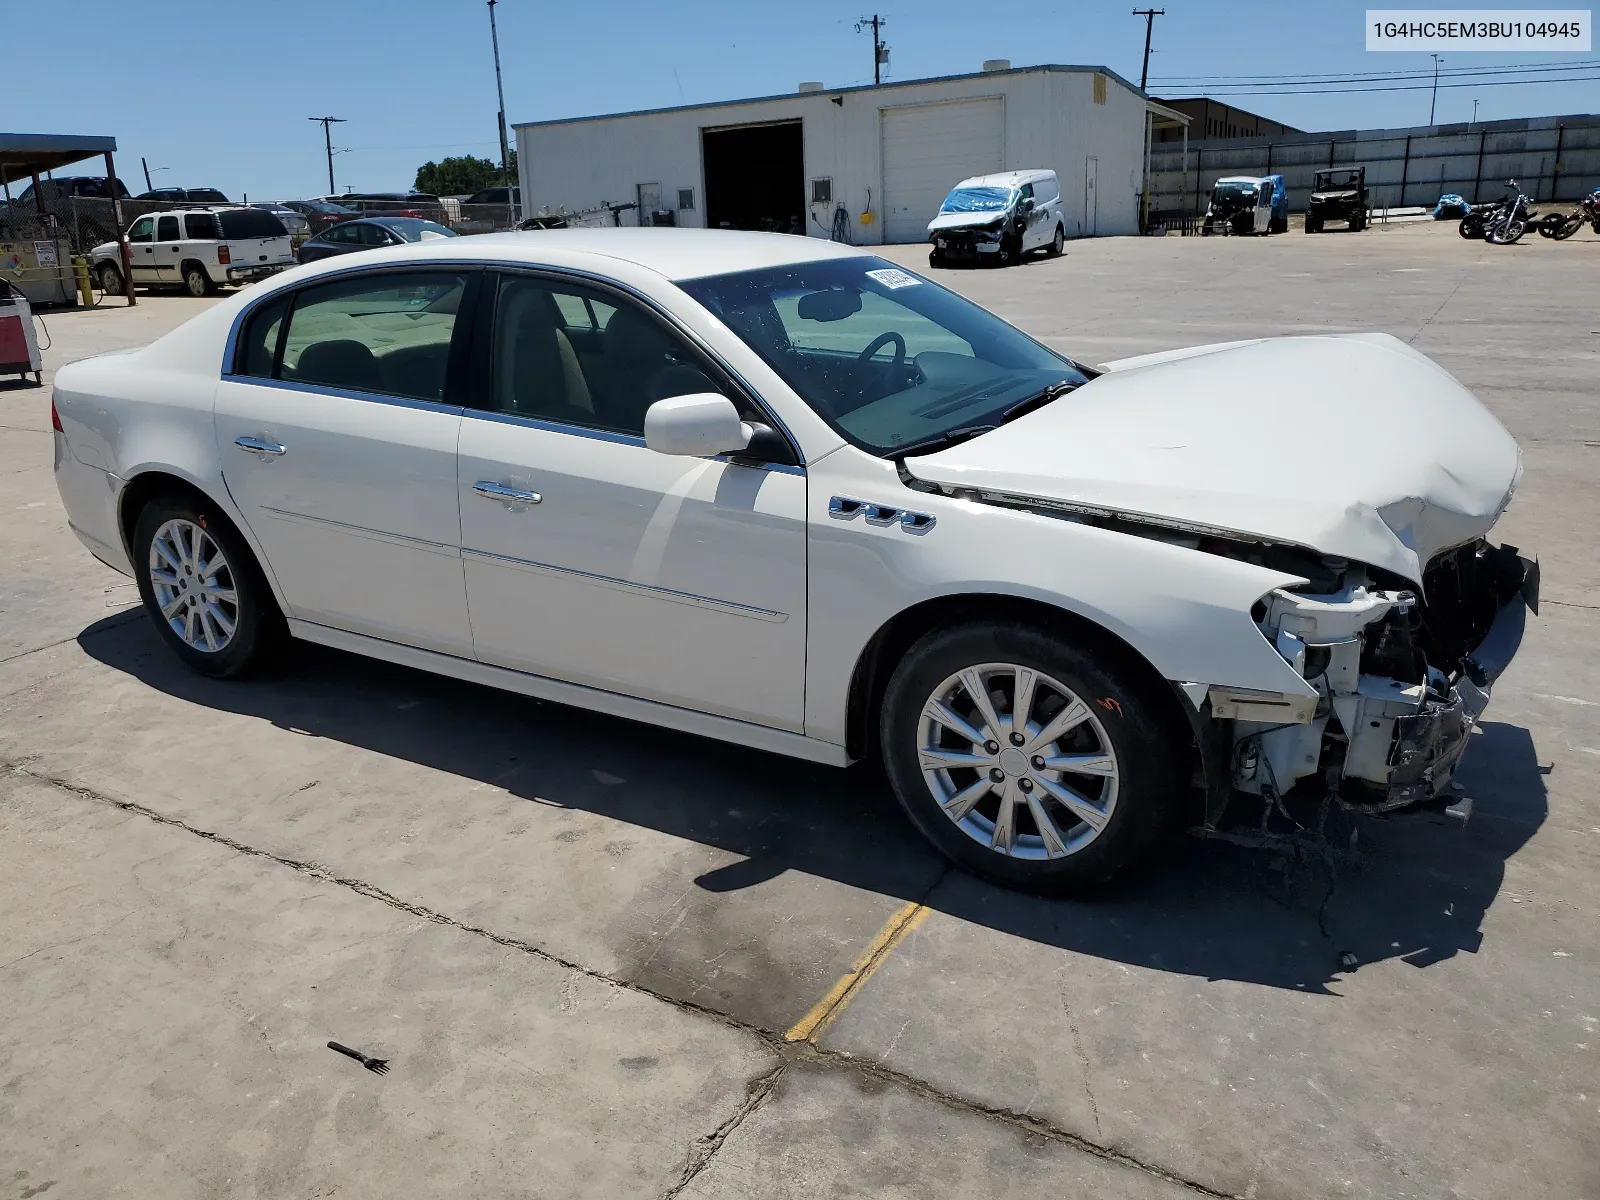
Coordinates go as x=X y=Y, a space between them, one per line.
x=194 y=586
x=195 y=281
x=1017 y=761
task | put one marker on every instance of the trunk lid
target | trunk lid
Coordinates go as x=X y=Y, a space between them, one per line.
x=1353 y=445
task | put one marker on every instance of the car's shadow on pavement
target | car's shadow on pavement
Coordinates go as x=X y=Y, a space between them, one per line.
x=1414 y=888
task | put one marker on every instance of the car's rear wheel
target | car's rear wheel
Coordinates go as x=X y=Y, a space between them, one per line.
x=1027 y=760
x=110 y=280
x=936 y=258
x=195 y=280
x=202 y=588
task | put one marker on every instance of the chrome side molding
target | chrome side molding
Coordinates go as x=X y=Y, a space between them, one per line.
x=844 y=508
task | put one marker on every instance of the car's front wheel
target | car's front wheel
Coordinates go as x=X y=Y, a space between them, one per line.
x=110 y=279
x=202 y=588
x=1028 y=760
x=1058 y=243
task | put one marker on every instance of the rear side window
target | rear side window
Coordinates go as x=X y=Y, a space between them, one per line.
x=201 y=227
x=387 y=333
x=167 y=229
x=250 y=223
x=258 y=348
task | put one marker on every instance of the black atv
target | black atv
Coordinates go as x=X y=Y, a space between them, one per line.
x=1339 y=194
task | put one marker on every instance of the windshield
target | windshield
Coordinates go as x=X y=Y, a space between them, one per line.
x=1235 y=192
x=977 y=199
x=1327 y=180
x=885 y=357
x=412 y=228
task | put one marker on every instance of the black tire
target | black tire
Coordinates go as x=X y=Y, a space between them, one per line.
x=936 y=259
x=1058 y=244
x=1278 y=225
x=1568 y=226
x=1128 y=716
x=1313 y=225
x=110 y=279
x=1357 y=224
x=1471 y=227
x=1507 y=233
x=258 y=631
x=1010 y=251
x=196 y=282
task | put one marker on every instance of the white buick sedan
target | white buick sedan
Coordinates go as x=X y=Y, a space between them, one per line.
x=785 y=493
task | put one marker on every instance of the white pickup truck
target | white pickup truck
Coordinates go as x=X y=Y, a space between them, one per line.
x=198 y=250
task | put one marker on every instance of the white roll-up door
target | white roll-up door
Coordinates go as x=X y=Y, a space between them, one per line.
x=927 y=150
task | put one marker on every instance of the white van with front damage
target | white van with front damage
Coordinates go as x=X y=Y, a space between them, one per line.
x=784 y=493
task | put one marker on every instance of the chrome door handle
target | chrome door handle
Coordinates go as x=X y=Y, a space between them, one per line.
x=259 y=446
x=508 y=495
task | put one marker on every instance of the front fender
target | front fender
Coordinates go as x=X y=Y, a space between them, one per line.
x=1185 y=612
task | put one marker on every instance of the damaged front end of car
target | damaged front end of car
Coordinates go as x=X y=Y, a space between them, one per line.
x=1401 y=676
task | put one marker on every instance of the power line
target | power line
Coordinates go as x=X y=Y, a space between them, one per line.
x=1375 y=76
x=1410 y=87
x=327 y=138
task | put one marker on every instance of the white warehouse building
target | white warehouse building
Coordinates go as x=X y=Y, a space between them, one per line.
x=875 y=161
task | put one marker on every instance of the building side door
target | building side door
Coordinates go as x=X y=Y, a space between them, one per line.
x=1091 y=200
x=649 y=197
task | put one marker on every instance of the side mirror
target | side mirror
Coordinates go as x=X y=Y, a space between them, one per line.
x=696 y=426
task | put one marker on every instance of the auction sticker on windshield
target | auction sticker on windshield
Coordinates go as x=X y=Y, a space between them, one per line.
x=893 y=277
x=1475 y=29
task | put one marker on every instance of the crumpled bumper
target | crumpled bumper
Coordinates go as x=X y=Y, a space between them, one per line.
x=1428 y=746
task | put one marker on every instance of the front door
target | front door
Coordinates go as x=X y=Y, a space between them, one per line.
x=338 y=443
x=1091 y=201
x=1264 y=208
x=142 y=250
x=592 y=559
x=168 y=250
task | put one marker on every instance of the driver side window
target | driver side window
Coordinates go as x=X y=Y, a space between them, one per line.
x=142 y=230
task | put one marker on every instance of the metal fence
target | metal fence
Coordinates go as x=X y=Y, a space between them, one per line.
x=1553 y=158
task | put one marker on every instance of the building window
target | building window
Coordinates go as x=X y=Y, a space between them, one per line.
x=686 y=199
x=1099 y=88
x=822 y=191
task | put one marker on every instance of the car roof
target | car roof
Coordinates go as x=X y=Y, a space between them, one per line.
x=675 y=254
x=1007 y=179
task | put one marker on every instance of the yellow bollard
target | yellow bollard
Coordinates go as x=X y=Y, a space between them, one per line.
x=80 y=268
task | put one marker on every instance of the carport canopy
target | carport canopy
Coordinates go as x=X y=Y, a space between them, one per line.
x=24 y=155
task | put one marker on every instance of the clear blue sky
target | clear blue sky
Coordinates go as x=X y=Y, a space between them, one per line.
x=219 y=90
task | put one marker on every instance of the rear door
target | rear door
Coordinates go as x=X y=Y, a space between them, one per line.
x=337 y=436
x=200 y=242
x=168 y=256
x=1264 y=207
x=255 y=238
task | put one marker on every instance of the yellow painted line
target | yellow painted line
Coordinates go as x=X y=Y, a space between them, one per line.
x=822 y=1013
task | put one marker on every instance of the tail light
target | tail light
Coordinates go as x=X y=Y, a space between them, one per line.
x=224 y=255
x=55 y=417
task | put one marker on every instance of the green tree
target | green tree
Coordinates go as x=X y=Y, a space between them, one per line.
x=460 y=176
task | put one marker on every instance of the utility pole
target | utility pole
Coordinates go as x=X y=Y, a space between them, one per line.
x=880 y=52
x=148 y=186
x=500 y=92
x=327 y=138
x=1432 y=104
x=1474 y=114
x=1149 y=15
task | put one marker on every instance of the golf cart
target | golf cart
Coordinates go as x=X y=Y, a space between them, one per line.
x=1338 y=194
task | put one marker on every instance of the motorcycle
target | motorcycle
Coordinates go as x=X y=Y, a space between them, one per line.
x=1511 y=221
x=1561 y=226
x=1475 y=223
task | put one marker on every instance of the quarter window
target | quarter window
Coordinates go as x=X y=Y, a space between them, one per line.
x=201 y=227
x=388 y=333
x=258 y=348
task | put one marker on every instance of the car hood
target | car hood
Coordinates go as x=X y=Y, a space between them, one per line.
x=962 y=220
x=1355 y=446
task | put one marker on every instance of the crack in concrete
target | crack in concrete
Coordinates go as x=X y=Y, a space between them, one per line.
x=760 y=1089
x=1083 y=1061
x=757 y=1092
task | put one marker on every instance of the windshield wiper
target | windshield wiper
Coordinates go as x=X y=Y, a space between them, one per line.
x=1054 y=392
x=942 y=441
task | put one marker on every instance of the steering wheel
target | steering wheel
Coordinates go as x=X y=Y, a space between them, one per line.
x=882 y=340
